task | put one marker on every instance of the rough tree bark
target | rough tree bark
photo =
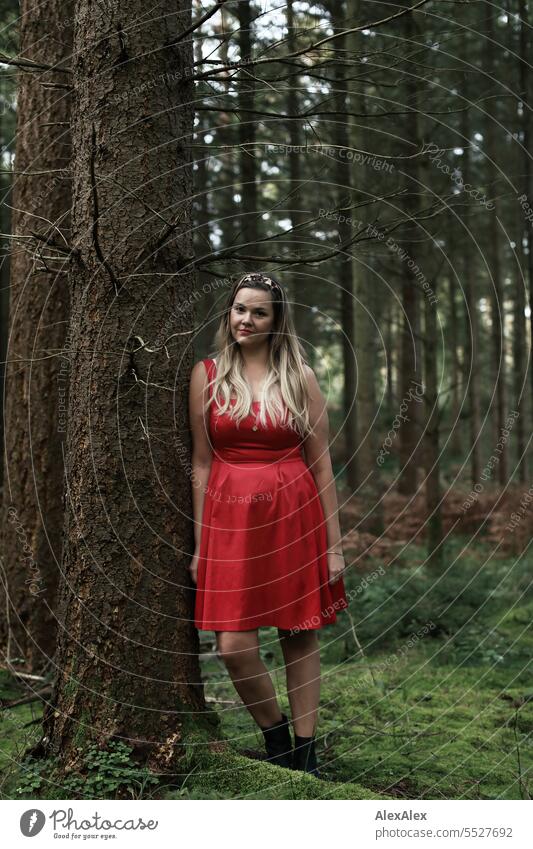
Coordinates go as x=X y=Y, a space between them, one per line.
x=127 y=653
x=32 y=510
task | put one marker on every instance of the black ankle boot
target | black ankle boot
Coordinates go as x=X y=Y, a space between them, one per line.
x=304 y=757
x=278 y=743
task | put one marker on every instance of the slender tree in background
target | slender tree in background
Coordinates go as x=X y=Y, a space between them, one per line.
x=519 y=370
x=471 y=372
x=248 y=159
x=411 y=348
x=493 y=258
x=204 y=226
x=226 y=132
x=35 y=383
x=426 y=292
x=296 y=274
x=390 y=319
x=5 y=277
x=456 y=442
x=302 y=289
x=524 y=230
x=127 y=654
x=216 y=224
x=9 y=43
x=343 y=180
x=366 y=301
x=431 y=432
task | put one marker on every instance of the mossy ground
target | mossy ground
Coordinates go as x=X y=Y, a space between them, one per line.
x=448 y=715
x=422 y=729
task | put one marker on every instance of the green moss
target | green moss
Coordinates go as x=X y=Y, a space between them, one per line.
x=434 y=733
x=237 y=777
x=450 y=718
x=82 y=734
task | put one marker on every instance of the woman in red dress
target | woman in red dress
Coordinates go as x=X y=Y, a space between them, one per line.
x=268 y=544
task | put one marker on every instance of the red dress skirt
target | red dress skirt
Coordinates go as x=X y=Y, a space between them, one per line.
x=262 y=556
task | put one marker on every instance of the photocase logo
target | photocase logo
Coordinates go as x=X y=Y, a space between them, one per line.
x=32 y=822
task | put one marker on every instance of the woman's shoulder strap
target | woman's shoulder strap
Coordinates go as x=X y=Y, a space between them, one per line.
x=210 y=366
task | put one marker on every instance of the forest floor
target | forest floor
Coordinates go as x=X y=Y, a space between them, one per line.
x=426 y=681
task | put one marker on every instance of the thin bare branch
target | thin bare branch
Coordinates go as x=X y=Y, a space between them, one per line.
x=29 y=65
x=198 y=23
x=316 y=46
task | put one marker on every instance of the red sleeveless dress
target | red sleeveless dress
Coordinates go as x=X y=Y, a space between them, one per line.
x=262 y=556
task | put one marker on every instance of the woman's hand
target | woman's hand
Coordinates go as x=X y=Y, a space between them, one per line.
x=336 y=566
x=193 y=566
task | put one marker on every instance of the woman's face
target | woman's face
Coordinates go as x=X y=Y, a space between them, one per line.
x=252 y=311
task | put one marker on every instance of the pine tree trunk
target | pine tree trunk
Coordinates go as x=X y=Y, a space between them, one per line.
x=390 y=353
x=301 y=298
x=411 y=369
x=226 y=133
x=431 y=434
x=456 y=442
x=246 y=86
x=497 y=306
x=36 y=379
x=519 y=370
x=203 y=216
x=364 y=331
x=343 y=179
x=128 y=650
x=526 y=241
x=471 y=316
x=5 y=277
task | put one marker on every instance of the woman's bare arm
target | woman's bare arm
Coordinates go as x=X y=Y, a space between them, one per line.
x=317 y=457
x=202 y=453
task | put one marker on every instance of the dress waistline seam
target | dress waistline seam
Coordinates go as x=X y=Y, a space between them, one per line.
x=250 y=460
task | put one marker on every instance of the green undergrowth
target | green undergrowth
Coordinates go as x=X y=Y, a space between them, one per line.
x=422 y=697
x=211 y=769
x=419 y=700
x=418 y=728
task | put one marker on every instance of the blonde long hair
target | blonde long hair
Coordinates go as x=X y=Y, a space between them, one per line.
x=285 y=394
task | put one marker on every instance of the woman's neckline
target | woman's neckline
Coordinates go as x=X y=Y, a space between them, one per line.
x=215 y=365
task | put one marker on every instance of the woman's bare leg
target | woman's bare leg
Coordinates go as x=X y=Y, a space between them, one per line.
x=302 y=660
x=240 y=652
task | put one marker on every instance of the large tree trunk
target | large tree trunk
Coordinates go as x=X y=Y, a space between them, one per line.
x=35 y=420
x=127 y=653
